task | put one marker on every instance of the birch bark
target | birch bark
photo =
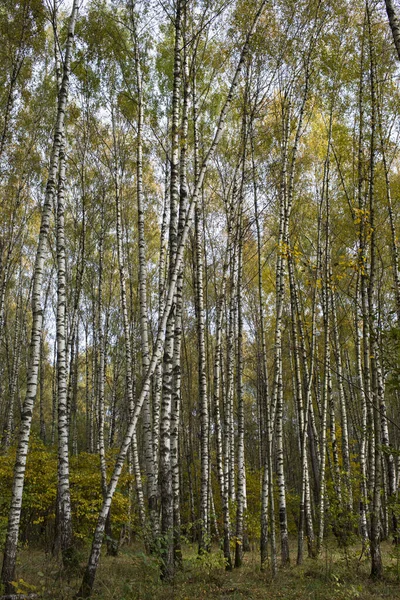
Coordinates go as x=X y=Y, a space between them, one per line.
x=10 y=551
x=90 y=571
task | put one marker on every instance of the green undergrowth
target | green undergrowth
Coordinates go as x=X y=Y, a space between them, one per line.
x=133 y=575
x=40 y=492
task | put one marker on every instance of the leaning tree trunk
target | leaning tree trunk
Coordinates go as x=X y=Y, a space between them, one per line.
x=394 y=24
x=90 y=570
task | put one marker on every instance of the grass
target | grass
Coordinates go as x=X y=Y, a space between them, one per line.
x=134 y=576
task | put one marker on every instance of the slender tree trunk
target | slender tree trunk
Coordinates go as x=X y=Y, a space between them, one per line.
x=134 y=457
x=218 y=427
x=395 y=260
x=204 y=542
x=90 y=571
x=377 y=391
x=343 y=406
x=277 y=396
x=9 y=416
x=158 y=375
x=267 y=495
x=64 y=515
x=167 y=509
x=10 y=551
x=150 y=465
x=394 y=24
x=327 y=383
x=241 y=477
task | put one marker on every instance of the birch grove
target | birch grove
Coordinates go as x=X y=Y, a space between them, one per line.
x=199 y=284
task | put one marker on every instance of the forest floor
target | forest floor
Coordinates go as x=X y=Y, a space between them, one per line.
x=134 y=576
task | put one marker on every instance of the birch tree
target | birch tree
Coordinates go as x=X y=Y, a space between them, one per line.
x=10 y=551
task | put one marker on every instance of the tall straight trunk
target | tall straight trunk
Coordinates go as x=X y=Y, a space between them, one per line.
x=150 y=465
x=286 y=202
x=305 y=518
x=228 y=412
x=267 y=496
x=54 y=396
x=241 y=477
x=391 y=467
x=5 y=269
x=9 y=415
x=134 y=458
x=204 y=541
x=42 y=374
x=64 y=515
x=158 y=374
x=218 y=426
x=377 y=389
x=277 y=395
x=90 y=571
x=100 y=372
x=361 y=322
x=227 y=374
x=326 y=403
x=167 y=509
x=241 y=471
x=176 y=367
x=88 y=400
x=167 y=521
x=348 y=500
x=298 y=390
x=328 y=308
x=101 y=377
x=327 y=399
x=87 y=392
x=9 y=412
x=309 y=429
x=112 y=432
x=10 y=551
x=74 y=374
x=175 y=423
x=363 y=273
x=363 y=432
x=71 y=354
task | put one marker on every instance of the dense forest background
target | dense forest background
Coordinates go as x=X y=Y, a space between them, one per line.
x=199 y=281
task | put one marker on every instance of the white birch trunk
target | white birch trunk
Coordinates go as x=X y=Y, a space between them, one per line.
x=64 y=516
x=90 y=571
x=10 y=551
